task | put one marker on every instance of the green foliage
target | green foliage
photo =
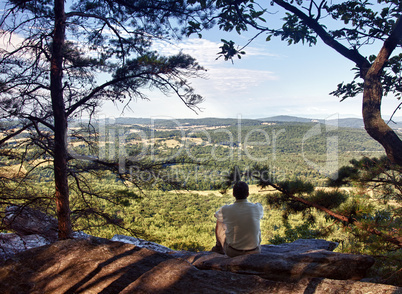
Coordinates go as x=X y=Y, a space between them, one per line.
x=387 y=268
x=165 y=73
x=295 y=30
x=357 y=207
x=378 y=174
x=179 y=220
x=296 y=187
x=328 y=199
x=123 y=197
x=343 y=174
x=303 y=231
x=228 y=51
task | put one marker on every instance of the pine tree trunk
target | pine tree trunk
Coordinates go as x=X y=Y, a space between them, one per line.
x=372 y=98
x=375 y=125
x=60 y=125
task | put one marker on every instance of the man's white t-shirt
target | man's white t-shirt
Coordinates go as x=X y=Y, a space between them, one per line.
x=242 y=220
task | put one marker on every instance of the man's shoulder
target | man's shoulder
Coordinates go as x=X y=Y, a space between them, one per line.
x=255 y=204
x=226 y=206
x=241 y=204
x=258 y=205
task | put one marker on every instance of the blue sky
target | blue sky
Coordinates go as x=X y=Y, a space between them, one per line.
x=271 y=79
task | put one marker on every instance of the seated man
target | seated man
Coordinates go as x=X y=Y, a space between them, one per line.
x=238 y=225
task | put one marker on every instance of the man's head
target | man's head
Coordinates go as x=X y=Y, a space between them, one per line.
x=240 y=190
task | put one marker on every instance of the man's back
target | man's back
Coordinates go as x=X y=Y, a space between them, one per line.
x=237 y=228
x=242 y=220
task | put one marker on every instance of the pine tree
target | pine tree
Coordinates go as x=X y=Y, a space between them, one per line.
x=59 y=63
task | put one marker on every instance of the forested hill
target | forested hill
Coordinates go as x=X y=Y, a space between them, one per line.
x=344 y=122
x=356 y=123
x=174 y=123
x=289 y=133
x=290 y=148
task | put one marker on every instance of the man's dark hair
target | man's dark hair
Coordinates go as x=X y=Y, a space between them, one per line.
x=240 y=190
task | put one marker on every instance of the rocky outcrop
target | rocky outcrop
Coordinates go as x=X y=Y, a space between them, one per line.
x=289 y=262
x=27 y=221
x=11 y=244
x=301 y=245
x=102 y=266
x=286 y=262
x=32 y=228
x=141 y=243
x=178 y=276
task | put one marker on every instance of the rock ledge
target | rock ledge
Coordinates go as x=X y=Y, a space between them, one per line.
x=103 y=266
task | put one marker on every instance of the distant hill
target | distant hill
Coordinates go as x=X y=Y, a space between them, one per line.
x=355 y=123
x=168 y=123
x=287 y=118
x=343 y=122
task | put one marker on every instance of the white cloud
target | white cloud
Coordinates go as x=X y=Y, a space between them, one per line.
x=205 y=51
x=9 y=42
x=223 y=78
x=229 y=80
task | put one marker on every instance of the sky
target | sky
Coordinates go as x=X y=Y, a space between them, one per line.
x=271 y=79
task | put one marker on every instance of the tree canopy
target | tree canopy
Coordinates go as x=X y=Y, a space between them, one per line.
x=59 y=63
x=349 y=28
